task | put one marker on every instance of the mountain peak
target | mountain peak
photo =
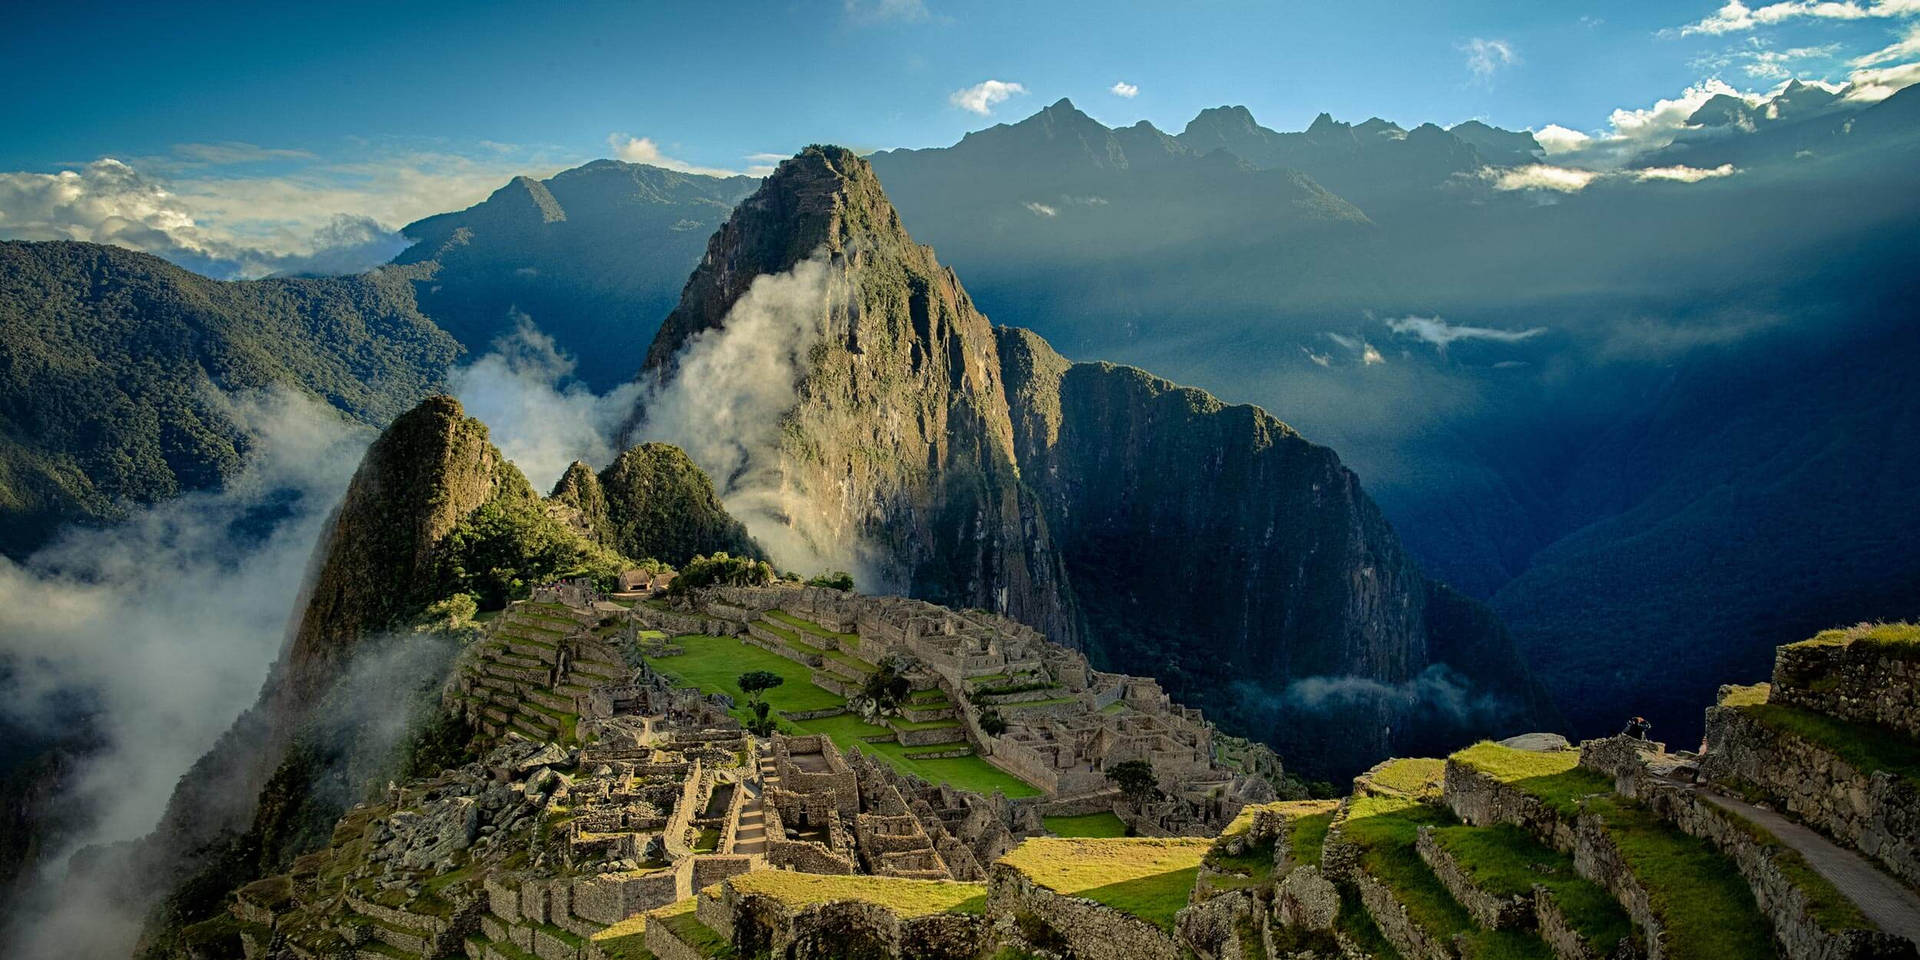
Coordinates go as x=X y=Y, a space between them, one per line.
x=1324 y=123
x=823 y=197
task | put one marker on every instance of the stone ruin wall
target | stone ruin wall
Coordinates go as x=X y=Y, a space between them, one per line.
x=1092 y=930
x=1863 y=682
x=1879 y=815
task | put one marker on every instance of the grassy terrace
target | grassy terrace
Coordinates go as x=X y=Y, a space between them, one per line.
x=809 y=626
x=1902 y=638
x=1507 y=861
x=1708 y=911
x=1149 y=878
x=907 y=898
x=1555 y=777
x=1093 y=825
x=1307 y=836
x=1385 y=829
x=1410 y=776
x=713 y=663
x=1863 y=746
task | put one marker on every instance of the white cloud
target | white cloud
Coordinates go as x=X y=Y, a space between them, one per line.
x=731 y=388
x=1362 y=349
x=536 y=415
x=1765 y=64
x=1901 y=49
x=875 y=11
x=1542 y=176
x=1633 y=131
x=1555 y=138
x=1486 y=57
x=1735 y=16
x=1041 y=209
x=1442 y=334
x=643 y=150
x=983 y=96
x=303 y=214
x=1318 y=359
x=1124 y=89
x=166 y=624
x=1683 y=174
x=1879 y=83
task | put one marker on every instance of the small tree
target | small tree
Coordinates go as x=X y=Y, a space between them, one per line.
x=992 y=723
x=755 y=683
x=837 y=580
x=1136 y=781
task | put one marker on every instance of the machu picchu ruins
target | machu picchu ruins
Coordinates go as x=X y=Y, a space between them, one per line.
x=623 y=809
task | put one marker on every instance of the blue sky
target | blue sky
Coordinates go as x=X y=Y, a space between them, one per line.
x=258 y=118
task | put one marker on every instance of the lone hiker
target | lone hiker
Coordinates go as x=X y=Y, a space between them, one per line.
x=1637 y=728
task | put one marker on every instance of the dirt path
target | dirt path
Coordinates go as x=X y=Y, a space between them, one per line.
x=1894 y=907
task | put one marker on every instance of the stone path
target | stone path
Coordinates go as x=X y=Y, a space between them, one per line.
x=750 y=835
x=1893 y=907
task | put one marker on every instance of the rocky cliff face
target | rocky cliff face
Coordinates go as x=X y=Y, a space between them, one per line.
x=653 y=502
x=1167 y=533
x=899 y=445
x=1215 y=548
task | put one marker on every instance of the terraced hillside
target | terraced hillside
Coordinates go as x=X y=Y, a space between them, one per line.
x=621 y=812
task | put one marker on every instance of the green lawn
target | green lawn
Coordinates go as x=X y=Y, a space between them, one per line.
x=1086 y=825
x=1307 y=835
x=1412 y=776
x=713 y=663
x=1385 y=828
x=1554 y=776
x=1150 y=878
x=1699 y=895
x=1507 y=861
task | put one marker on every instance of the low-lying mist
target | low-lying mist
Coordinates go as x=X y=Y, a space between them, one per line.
x=160 y=630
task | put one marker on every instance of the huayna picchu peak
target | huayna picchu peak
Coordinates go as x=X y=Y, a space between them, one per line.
x=1154 y=527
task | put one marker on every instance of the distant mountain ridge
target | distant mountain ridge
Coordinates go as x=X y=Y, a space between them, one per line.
x=594 y=256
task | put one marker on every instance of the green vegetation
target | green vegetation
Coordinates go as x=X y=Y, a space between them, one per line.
x=510 y=543
x=657 y=503
x=1252 y=867
x=837 y=580
x=1506 y=861
x=1307 y=836
x=1745 y=696
x=690 y=931
x=1418 y=777
x=1555 y=777
x=1863 y=746
x=1086 y=825
x=1136 y=781
x=1903 y=638
x=712 y=664
x=106 y=357
x=907 y=898
x=1708 y=911
x=809 y=626
x=1386 y=828
x=1354 y=921
x=1149 y=878
x=708 y=840
x=722 y=569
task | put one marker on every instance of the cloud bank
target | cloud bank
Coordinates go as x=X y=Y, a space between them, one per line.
x=1442 y=334
x=731 y=389
x=1735 y=16
x=165 y=625
x=537 y=415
